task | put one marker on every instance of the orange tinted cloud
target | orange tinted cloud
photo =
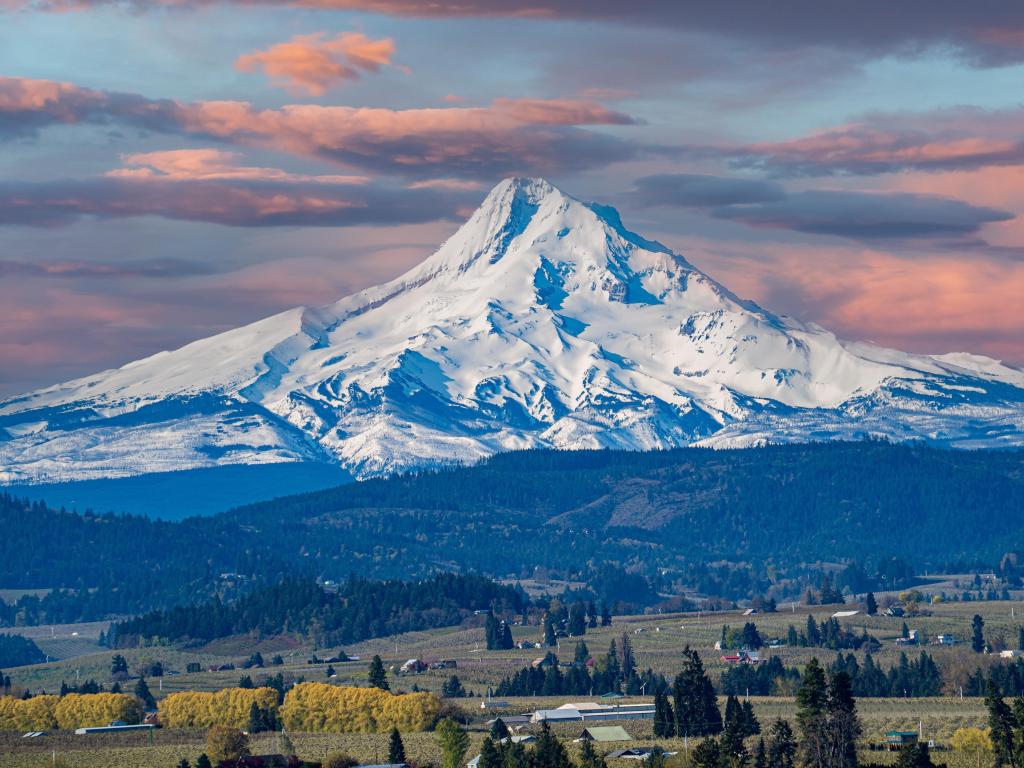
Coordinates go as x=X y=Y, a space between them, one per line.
x=212 y=164
x=313 y=63
x=510 y=136
x=931 y=304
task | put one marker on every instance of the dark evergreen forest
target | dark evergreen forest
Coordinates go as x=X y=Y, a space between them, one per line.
x=660 y=516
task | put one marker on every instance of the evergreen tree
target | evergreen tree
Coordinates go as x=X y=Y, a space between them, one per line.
x=813 y=633
x=377 y=677
x=491 y=631
x=581 y=654
x=760 y=755
x=184 y=763
x=245 y=681
x=118 y=666
x=1020 y=639
x=612 y=669
x=452 y=688
x=606 y=615
x=707 y=754
x=870 y=605
x=143 y=694
x=843 y=727
x=1005 y=730
x=591 y=615
x=577 y=620
x=694 y=702
x=490 y=756
x=628 y=659
x=549 y=752
x=256 y=720
x=751 y=726
x=396 y=749
x=915 y=756
x=453 y=741
x=589 y=757
x=506 y=637
x=549 y=631
x=811 y=703
x=977 y=634
x=782 y=745
x=664 y=720
x=203 y=761
x=499 y=731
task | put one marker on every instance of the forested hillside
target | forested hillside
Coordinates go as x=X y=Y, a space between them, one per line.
x=573 y=514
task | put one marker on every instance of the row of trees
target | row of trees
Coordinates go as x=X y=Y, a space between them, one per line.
x=318 y=707
x=359 y=610
x=907 y=678
x=75 y=710
x=17 y=651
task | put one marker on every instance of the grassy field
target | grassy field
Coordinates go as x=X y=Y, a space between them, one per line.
x=657 y=643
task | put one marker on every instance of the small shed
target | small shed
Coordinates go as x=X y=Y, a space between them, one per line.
x=604 y=734
x=899 y=739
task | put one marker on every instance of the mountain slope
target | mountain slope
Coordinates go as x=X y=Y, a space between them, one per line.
x=542 y=322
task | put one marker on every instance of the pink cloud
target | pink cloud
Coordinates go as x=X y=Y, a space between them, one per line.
x=932 y=304
x=507 y=137
x=313 y=63
x=212 y=164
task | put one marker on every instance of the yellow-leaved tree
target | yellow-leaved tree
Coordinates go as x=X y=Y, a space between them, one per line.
x=35 y=714
x=90 y=710
x=228 y=707
x=318 y=707
x=976 y=743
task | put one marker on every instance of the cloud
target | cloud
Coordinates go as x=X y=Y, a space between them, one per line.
x=313 y=63
x=866 y=216
x=855 y=215
x=68 y=269
x=212 y=164
x=961 y=138
x=984 y=32
x=508 y=137
x=691 y=190
x=209 y=186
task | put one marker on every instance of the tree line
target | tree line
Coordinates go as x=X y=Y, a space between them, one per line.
x=360 y=609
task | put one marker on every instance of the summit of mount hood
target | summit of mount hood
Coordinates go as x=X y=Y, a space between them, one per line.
x=542 y=322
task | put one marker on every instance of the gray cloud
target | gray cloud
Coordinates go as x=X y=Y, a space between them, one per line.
x=866 y=216
x=983 y=32
x=690 y=190
x=69 y=269
x=232 y=203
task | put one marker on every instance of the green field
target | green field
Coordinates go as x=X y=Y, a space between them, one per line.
x=657 y=643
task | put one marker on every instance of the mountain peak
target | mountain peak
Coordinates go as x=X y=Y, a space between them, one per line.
x=542 y=322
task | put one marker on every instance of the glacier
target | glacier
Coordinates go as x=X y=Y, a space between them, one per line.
x=542 y=322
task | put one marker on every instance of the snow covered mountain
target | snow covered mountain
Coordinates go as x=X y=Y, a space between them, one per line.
x=542 y=322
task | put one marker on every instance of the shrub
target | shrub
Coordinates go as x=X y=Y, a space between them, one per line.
x=225 y=743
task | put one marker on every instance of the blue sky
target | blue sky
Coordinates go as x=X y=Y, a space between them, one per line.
x=155 y=188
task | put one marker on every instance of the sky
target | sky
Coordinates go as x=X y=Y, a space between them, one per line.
x=170 y=169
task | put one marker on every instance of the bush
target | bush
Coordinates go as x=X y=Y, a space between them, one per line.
x=224 y=743
x=340 y=760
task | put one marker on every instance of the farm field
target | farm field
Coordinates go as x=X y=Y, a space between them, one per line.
x=939 y=718
x=657 y=642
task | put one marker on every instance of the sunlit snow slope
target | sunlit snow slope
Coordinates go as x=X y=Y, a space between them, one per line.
x=541 y=322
